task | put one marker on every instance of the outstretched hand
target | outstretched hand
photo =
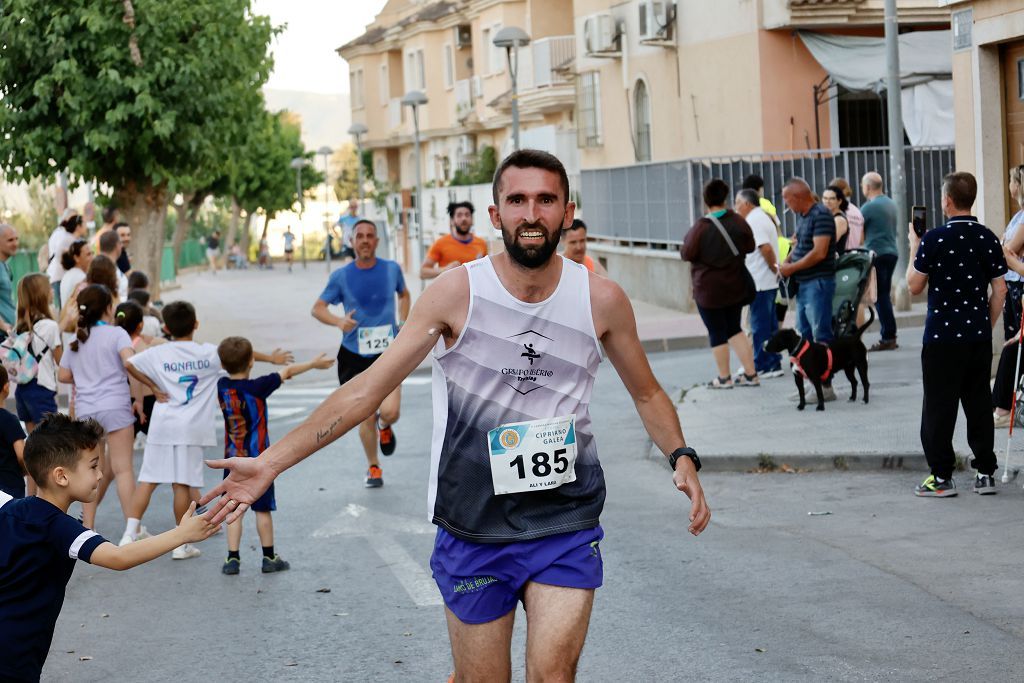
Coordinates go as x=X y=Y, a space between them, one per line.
x=247 y=479
x=322 y=362
x=685 y=479
x=281 y=357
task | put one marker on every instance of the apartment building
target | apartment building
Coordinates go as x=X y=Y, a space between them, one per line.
x=988 y=82
x=696 y=78
x=444 y=49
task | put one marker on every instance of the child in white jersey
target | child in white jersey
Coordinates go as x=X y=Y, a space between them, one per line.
x=185 y=374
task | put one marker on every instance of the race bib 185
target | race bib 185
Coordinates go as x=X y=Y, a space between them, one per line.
x=374 y=340
x=534 y=455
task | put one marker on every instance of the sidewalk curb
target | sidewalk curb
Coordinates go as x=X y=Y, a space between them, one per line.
x=815 y=462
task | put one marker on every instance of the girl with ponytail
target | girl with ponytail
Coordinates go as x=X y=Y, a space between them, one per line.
x=95 y=365
x=38 y=396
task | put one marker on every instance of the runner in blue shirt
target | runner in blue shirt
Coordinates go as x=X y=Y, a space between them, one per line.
x=366 y=288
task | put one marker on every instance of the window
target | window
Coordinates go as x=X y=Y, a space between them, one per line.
x=485 y=45
x=384 y=86
x=449 y=67
x=496 y=55
x=356 y=86
x=588 y=111
x=641 y=122
x=414 y=73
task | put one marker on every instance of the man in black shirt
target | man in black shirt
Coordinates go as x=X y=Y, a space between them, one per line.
x=958 y=261
x=124 y=231
x=812 y=262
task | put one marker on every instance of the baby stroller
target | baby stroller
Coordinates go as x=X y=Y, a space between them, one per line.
x=853 y=273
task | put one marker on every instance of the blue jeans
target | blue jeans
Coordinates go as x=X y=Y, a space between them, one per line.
x=763 y=324
x=885 y=264
x=814 y=308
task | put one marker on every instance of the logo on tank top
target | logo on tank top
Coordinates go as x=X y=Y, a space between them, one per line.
x=526 y=377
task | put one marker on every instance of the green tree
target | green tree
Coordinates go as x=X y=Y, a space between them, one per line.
x=139 y=95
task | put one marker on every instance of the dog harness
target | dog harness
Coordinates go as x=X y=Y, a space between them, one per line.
x=795 y=360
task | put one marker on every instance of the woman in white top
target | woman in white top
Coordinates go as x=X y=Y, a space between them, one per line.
x=70 y=229
x=75 y=262
x=1013 y=245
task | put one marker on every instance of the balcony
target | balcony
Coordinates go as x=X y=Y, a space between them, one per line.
x=552 y=58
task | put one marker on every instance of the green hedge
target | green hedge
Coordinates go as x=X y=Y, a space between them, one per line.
x=193 y=253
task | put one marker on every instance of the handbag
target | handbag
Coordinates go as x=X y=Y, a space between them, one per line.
x=748 y=279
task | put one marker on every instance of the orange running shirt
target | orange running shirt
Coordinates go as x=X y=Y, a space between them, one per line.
x=588 y=262
x=447 y=249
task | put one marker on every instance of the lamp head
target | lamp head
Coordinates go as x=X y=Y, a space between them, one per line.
x=511 y=36
x=414 y=98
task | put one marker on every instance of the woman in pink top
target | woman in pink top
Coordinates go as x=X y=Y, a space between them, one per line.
x=94 y=364
x=854 y=217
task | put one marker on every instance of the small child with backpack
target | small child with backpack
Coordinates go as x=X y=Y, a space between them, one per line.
x=31 y=355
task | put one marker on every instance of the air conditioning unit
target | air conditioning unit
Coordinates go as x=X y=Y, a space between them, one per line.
x=463 y=36
x=600 y=34
x=655 y=19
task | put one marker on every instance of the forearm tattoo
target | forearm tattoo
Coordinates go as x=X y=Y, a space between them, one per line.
x=324 y=434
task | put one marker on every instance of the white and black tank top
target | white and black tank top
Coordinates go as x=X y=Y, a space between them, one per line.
x=514 y=362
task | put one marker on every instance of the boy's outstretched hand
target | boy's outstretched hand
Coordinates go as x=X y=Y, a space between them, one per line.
x=248 y=478
x=322 y=362
x=194 y=527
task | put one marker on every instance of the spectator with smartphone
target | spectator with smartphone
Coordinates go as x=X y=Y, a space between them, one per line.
x=1013 y=245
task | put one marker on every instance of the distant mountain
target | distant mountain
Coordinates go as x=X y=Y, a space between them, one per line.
x=325 y=118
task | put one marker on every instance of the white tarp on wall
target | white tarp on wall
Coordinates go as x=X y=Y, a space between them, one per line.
x=926 y=73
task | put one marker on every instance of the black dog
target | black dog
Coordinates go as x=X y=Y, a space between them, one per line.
x=820 y=362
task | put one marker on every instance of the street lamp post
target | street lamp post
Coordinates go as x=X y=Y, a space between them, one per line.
x=415 y=99
x=325 y=152
x=358 y=130
x=298 y=163
x=512 y=38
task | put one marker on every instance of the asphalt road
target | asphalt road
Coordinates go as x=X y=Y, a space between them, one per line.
x=885 y=587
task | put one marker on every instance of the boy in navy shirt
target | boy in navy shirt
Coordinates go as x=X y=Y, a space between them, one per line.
x=41 y=542
x=12 y=446
x=246 y=434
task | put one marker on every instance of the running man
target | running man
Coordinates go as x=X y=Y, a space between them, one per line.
x=576 y=247
x=367 y=288
x=458 y=247
x=289 y=247
x=517 y=490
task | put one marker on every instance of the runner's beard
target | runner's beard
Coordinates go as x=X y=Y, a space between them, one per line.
x=530 y=257
x=460 y=231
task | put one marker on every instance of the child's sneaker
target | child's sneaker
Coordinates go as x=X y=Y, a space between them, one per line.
x=374 y=477
x=185 y=552
x=273 y=564
x=933 y=488
x=232 y=566
x=128 y=538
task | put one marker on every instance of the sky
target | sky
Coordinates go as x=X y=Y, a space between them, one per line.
x=304 y=53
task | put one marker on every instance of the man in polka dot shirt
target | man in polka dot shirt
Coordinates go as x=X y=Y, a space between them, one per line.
x=962 y=264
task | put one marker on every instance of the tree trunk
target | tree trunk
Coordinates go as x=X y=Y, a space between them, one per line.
x=236 y=217
x=181 y=226
x=246 y=236
x=144 y=207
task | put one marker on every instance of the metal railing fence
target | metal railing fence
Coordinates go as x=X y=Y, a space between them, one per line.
x=655 y=204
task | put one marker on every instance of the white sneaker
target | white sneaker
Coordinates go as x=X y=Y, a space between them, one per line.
x=125 y=540
x=143 y=533
x=185 y=552
x=771 y=374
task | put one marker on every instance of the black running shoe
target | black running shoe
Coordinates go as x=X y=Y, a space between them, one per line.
x=374 y=477
x=274 y=564
x=985 y=484
x=231 y=566
x=933 y=488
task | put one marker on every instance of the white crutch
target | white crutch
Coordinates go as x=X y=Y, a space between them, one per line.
x=1009 y=474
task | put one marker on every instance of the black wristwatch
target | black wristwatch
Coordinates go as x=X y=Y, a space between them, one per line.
x=683 y=452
